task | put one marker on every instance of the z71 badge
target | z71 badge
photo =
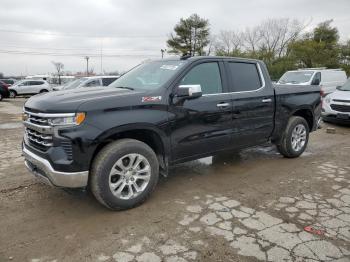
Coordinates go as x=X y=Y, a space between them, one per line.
x=151 y=99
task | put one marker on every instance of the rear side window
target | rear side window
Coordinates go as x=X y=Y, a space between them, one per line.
x=207 y=75
x=108 y=81
x=245 y=76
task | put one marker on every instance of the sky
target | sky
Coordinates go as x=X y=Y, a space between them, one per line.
x=35 y=33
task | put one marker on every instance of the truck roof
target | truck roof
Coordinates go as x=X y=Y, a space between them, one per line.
x=195 y=58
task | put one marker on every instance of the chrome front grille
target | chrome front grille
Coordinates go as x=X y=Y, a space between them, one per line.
x=37 y=138
x=38 y=120
x=38 y=131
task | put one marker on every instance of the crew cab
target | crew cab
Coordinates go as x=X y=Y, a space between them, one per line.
x=116 y=141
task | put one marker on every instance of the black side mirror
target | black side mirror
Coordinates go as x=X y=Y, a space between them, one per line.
x=189 y=91
x=316 y=82
x=338 y=87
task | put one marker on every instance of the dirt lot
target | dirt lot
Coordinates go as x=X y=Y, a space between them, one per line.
x=247 y=207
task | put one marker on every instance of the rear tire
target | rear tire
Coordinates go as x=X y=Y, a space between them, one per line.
x=124 y=166
x=13 y=94
x=295 y=138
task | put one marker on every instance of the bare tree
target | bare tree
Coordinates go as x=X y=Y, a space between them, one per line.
x=229 y=42
x=251 y=39
x=59 y=67
x=277 y=34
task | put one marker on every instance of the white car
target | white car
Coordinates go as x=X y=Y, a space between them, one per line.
x=29 y=87
x=336 y=106
x=327 y=79
x=88 y=82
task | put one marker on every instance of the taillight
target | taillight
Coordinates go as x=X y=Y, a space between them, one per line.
x=322 y=92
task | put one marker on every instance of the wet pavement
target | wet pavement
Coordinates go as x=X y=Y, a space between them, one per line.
x=249 y=206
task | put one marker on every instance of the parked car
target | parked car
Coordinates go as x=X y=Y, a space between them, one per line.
x=88 y=82
x=336 y=106
x=9 y=81
x=4 y=91
x=29 y=87
x=117 y=140
x=327 y=79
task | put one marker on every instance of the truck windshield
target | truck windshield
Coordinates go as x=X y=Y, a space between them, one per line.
x=346 y=86
x=149 y=76
x=296 y=77
x=74 y=84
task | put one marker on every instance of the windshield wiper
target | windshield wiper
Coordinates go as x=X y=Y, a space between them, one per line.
x=125 y=87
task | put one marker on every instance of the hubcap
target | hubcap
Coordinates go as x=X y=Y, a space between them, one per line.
x=298 y=137
x=12 y=94
x=129 y=176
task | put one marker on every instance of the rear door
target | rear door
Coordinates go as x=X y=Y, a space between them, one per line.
x=253 y=103
x=202 y=125
x=36 y=86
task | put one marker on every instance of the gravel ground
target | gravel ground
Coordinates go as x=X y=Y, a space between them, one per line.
x=251 y=206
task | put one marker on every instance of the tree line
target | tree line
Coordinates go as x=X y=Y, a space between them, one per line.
x=281 y=43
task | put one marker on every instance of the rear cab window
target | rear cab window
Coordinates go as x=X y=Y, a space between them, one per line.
x=244 y=76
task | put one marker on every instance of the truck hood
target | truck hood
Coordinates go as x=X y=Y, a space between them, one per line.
x=70 y=100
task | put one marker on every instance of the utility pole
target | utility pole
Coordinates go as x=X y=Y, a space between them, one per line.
x=162 y=51
x=87 y=65
x=101 y=57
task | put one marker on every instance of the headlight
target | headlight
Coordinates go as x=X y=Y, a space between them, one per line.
x=67 y=121
x=328 y=100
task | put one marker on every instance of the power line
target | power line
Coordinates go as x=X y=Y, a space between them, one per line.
x=73 y=49
x=80 y=35
x=17 y=52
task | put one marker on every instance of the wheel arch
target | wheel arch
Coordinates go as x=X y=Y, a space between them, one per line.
x=307 y=114
x=146 y=133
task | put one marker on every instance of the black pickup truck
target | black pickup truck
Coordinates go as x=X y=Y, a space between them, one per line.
x=116 y=140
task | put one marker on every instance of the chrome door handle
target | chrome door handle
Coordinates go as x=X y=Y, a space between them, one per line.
x=223 y=105
x=267 y=100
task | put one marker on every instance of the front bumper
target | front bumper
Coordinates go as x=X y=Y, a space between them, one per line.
x=328 y=114
x=42 y=169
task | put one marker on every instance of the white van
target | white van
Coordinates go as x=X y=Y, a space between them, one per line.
x=328 y=79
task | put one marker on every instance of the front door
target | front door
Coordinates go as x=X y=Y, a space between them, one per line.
x=202 y=125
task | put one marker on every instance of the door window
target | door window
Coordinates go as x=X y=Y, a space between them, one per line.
x=207 y=75
x=317 y=79
x=107 y=81
x=95 y=82
x=245 y=76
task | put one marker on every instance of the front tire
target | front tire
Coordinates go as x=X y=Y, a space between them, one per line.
x=13 y=94
x=124 y=174
x=295 y=138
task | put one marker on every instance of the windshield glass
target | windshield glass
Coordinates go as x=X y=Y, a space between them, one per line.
x=19 y=82
x=74 y=84
x=149 y=76
x=296 y=77
x=346 y=86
